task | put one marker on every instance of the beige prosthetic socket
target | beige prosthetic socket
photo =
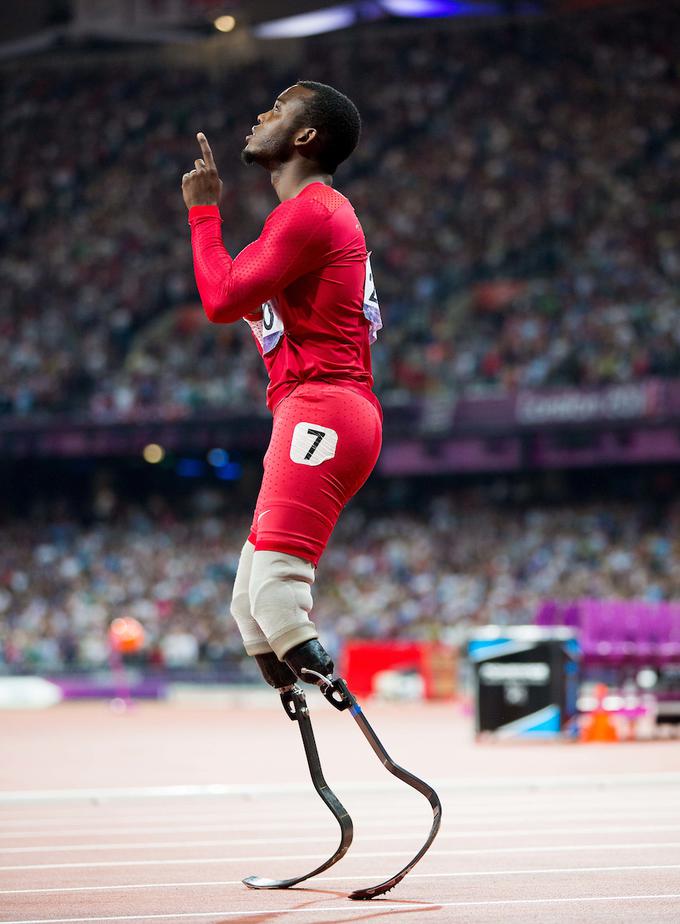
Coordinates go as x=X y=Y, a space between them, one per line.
x=254 y=641
x=281 y=600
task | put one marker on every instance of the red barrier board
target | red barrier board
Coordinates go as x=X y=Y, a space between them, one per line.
x=434 y=662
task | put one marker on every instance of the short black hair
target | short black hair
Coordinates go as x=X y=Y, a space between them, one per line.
x=337 y=121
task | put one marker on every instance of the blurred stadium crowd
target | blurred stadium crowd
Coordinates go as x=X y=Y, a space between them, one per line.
x=518 y=189
x=460 y=562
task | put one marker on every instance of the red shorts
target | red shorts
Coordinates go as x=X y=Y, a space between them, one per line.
x=325 y=442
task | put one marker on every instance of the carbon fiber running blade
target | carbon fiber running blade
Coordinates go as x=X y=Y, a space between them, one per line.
x=406 y=777
x=346 y=835
x=296 y=698
x=433 y=799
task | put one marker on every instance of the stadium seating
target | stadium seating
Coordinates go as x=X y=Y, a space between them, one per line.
x=523 y=223
x=431 y=570
x=522 y=243
x=620 y=633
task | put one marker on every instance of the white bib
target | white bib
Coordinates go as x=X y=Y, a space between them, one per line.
x=269 y=329
x=371 y=306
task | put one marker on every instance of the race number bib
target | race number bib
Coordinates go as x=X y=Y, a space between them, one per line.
x=269 y=329
x=312 y=444
x=371 y=306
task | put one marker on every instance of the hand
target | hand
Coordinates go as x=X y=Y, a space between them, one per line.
x=202 y=186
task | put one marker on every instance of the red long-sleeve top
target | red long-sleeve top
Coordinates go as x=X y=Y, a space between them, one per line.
x=309 y=274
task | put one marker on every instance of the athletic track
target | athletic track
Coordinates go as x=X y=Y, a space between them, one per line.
x=157 y=813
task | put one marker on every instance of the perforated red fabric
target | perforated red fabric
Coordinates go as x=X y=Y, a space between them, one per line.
x=327 y=196
x=310 y=261
x=298 y=504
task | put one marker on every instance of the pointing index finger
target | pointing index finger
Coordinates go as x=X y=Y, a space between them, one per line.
x=207 y=153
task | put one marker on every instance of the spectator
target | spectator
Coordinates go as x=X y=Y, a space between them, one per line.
x=459 y=563
x=481 y=162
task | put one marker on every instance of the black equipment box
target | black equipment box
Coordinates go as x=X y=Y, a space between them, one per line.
x=526 y=679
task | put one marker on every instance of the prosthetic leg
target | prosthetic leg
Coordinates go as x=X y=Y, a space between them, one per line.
x=281 y=677
x=311 y=663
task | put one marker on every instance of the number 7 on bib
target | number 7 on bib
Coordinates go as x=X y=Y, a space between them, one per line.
x=313 y=444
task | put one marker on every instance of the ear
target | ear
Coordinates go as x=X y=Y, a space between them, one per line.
x=304 y=137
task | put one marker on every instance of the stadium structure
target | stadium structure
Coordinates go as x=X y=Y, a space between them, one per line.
x=523 y=221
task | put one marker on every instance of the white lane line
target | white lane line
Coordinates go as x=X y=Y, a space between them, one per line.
x=256 y=820
x=393 y=835
x=226 y=827
x=370 y=793
x=491 y=805
x=459 y=852
x=377 y=877
x=572 y=781
x=468 y=817
x=405 y=906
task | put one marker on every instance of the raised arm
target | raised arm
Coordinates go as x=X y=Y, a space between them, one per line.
x=230 y=288
x=290 y=245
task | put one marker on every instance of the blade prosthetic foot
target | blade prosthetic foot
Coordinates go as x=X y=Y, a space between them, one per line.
x=295 y=706
x=338 y=695
x=310 y=662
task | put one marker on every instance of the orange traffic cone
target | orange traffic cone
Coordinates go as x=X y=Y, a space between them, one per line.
x=600 y=726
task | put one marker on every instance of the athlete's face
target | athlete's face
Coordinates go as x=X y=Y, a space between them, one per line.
x=277 y=133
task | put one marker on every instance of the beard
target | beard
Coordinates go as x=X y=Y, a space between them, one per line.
x=270 y=153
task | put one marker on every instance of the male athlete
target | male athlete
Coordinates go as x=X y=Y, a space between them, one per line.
x=305 y=288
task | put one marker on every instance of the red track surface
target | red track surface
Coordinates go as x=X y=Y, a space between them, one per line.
x=531 y=833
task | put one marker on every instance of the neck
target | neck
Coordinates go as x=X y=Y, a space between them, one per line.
x=290 y=178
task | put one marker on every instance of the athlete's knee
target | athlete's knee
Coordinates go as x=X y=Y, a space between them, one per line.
x=281 y=599
x=240 y=602
x=253 y=639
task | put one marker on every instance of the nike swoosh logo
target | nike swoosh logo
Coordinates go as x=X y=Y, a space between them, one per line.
x=262 y=514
